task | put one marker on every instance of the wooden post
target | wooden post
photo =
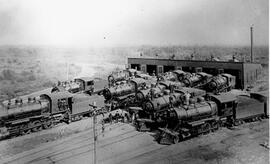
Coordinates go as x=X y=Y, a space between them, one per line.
x=251 y=44
x=94 y=130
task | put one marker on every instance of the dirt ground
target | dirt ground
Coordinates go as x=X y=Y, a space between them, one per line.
x=122 y=144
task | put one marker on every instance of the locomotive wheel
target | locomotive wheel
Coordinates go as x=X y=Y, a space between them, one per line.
x=36 y=126
x=215 y=126
x=176 y=139
x=48 y=125
x=27 y=131
x=159 y=137
x=237 y=123
x=206 y=128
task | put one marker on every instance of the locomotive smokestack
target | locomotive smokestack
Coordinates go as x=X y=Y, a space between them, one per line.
x=251 y=44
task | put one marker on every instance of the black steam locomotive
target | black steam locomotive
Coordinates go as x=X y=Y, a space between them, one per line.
x=197 y=79
x=21 y=117
x=221 y=83
x=178 y=118
x=122 y=75
x=119 y=95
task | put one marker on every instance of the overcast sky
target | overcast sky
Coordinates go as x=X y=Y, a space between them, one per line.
x=133 y=22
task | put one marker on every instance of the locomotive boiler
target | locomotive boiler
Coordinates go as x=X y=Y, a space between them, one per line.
x=118 y=76
x=121 y=95
x=159 y=102
x=170 y=76
x=118 y=91
x=181 y=75
x=145 y=93
x=158 y=89
x=220 y=83
x=196 y=80
x=194 y=112
x=122 y=75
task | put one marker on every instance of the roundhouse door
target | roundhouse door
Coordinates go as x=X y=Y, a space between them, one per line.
x=70 y=104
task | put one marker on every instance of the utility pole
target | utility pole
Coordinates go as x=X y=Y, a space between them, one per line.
x=251 y=44
x=95 y=139
x=94 y=130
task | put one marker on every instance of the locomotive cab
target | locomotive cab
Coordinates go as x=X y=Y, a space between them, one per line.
x=85 y=84
x=230 y=80
x=180 y=75
x=60 y=102
x=226 y=103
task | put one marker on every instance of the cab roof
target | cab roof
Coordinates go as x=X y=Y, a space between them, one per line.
x=85 y=78
x=58 y=95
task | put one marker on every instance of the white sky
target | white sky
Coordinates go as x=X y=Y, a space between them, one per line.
x=133 y=22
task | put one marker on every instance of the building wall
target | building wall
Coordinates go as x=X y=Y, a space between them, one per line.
x=252 y=72
x=186 y=63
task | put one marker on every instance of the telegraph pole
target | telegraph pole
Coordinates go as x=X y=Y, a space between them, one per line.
x=94 y=130
x=95 y=139
x=251 y=44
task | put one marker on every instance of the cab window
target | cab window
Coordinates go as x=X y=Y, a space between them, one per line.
x=90 y=83
x=229 y=104
x=223 y=106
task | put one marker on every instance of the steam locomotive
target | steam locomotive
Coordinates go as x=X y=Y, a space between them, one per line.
x=21 y=117
x=221 y=83
x=81 y=85
x=122 y=75
x=159 y=88
x=197 y=79
x=119 y=95
x=181 y=75
x=181 y=120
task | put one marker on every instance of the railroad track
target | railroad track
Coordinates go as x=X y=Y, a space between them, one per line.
x=79 y=138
